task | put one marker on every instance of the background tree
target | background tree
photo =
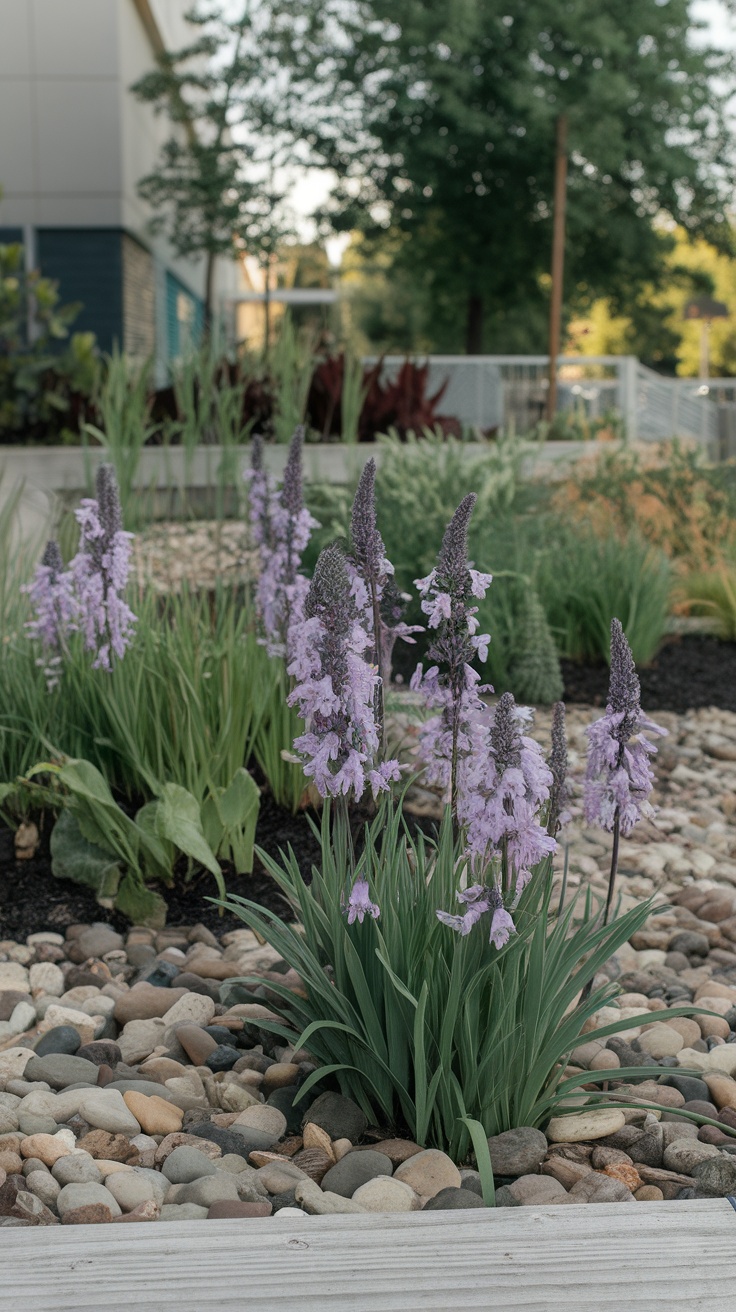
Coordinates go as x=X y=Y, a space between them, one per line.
x=446 y=146
x=239 y=105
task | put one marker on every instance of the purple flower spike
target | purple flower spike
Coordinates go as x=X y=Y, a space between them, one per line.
x=558 y=814
x=52 y=597
x=377 y=598
x=335 y=688
x=100 y=572
x=359 y=903
x=281 y=527
x=619 y=776
x=504 y=783
x=450 y=684
x=368 y=548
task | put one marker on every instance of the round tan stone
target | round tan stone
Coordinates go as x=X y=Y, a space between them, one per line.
x=48 y=1148
x=429 y=1171
x=154 y=1114
x=689 y=1029
x=581 y=1126
x=660 y=1040
x=713 y=1027
x=279 y=1076
x=605 y=1060
x=649 y=1193
x=271 y=1121
x=397 y=1150
x=722 y=1089
x=11 y=1163
x=718 y=1004
x=722 y=1059
x=146 y=1002
x=342 y=1146
x=387 y=1194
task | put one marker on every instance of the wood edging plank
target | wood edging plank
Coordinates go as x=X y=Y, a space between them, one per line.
x=651 y=1257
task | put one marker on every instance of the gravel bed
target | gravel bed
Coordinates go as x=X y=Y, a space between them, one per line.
x=137 y=1085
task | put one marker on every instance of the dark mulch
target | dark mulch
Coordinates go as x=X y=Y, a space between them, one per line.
x=689 y=672
x=31 y=899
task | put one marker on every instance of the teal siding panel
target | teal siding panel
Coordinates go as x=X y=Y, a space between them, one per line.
x=87 y=263
x=184 y=318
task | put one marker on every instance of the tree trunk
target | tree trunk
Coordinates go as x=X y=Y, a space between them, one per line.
x=474 y=325
x=209 y=293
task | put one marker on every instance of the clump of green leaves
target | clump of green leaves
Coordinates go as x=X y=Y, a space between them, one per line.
x=96 y=843
x=423 y=1028
x=42 y=368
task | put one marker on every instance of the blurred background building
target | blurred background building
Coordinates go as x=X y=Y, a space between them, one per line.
x=74 y=145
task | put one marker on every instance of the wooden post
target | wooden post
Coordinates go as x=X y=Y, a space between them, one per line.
x=704 y=348
x=558 y=260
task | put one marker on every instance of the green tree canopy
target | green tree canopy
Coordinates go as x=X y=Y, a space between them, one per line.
x=445 y=142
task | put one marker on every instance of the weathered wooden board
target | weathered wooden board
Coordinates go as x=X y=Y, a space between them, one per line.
x=655 y=1257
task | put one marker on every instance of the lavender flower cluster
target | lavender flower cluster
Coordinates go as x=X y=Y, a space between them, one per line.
x=281 y=527
x=508 y=802
x=88 y=597
x=451 y=686
x=619 y=774
x=504 y=787
x=335 y=688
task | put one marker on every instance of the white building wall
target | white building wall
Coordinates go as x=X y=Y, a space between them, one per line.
x=74 y=142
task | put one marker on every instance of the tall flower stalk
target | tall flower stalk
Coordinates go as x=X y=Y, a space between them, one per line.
x=334 y=688
x=281 y=527
x=100 y=572
x=451 y=685
x=376 y=594
x=619 y=775
x=51 y=592
x=334 y=691
x=559 y=793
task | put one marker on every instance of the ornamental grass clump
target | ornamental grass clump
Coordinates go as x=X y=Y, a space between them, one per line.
x=443 y=978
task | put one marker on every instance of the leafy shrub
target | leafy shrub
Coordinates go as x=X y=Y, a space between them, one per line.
x=666 y=496
x=45 y=389
x=713 y=595
x=536 y=675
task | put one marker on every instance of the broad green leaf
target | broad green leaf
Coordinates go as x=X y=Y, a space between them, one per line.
x=140 y=904
x=73 y=857
x=178 y=820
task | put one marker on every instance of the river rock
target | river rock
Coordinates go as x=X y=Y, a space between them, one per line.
x=427 y=1172
x=105 y=1109
x=582 y=1126
x=74 y=1196
x=354 y=1170
x=517 y=1152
